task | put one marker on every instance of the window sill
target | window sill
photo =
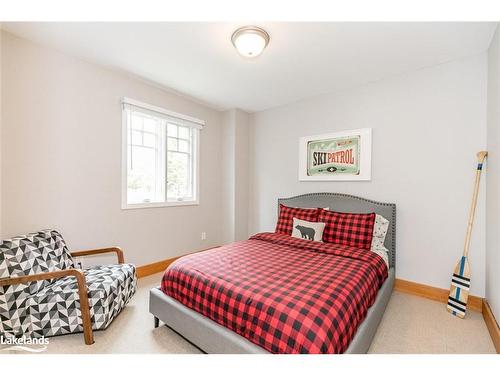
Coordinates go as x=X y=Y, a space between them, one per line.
x=126 y=206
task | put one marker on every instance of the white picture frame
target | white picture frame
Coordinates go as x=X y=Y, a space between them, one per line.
x=339 y=156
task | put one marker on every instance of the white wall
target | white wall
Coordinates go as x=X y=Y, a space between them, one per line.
x=493 y=181
x=1 y=88
x=228 y=183
x=427 y=128
x=235 y=156
x=61 y=157
x=241 y=157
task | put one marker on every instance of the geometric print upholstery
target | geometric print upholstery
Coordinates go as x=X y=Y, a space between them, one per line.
x=43 y=251
x=52 y=307
x=55 y=310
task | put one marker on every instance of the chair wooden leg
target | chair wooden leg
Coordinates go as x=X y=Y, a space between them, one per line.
x=85 y=310
x=157 y=322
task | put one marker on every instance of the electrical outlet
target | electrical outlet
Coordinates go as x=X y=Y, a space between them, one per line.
x=203 y=236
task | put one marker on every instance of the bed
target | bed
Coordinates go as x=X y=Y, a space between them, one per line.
x=243 y=318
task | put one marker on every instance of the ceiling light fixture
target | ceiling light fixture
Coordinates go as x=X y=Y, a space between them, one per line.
x=250 y=41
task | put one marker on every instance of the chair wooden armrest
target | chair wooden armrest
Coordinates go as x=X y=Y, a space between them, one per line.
x=117 y=250
x=82 y=291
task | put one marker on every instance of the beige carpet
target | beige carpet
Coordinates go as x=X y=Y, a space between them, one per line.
x=410 y=325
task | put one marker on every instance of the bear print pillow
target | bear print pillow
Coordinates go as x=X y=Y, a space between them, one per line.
x=308 y=230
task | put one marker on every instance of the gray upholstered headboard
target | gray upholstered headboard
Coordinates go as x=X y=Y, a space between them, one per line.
x=350 y=203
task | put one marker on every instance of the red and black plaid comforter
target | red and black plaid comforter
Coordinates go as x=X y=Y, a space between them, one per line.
x=284 y=294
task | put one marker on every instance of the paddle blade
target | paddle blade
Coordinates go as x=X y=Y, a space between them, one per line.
x=459 y=290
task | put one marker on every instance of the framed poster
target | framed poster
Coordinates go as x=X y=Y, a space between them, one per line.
x=342 y=156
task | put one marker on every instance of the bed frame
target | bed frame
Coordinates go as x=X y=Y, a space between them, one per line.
x=212 y=337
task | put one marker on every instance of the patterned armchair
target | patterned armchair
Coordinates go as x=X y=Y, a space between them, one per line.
x=43 y=294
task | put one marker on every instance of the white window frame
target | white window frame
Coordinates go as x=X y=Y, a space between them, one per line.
x=175 y=118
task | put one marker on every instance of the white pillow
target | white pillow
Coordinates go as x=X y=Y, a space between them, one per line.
x=308 y=230
x=384 y=253
x=380 y=229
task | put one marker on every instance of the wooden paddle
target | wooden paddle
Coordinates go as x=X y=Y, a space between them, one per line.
x=460 y=281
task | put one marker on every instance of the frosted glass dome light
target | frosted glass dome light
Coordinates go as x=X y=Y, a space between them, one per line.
x=250 y=41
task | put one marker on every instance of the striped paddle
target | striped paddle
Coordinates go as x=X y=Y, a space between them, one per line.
x=460 y=281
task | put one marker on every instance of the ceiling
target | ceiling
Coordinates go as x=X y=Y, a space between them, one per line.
x=302 y=59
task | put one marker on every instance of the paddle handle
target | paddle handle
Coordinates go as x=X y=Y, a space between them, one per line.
x=481 y=155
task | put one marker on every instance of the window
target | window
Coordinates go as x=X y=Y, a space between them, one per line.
x=160 y=157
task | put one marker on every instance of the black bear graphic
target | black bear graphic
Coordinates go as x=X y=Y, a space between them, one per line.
x=305 y=232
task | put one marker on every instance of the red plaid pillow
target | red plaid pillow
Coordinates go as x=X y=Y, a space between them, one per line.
x=285 y=220
x=348 y=229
